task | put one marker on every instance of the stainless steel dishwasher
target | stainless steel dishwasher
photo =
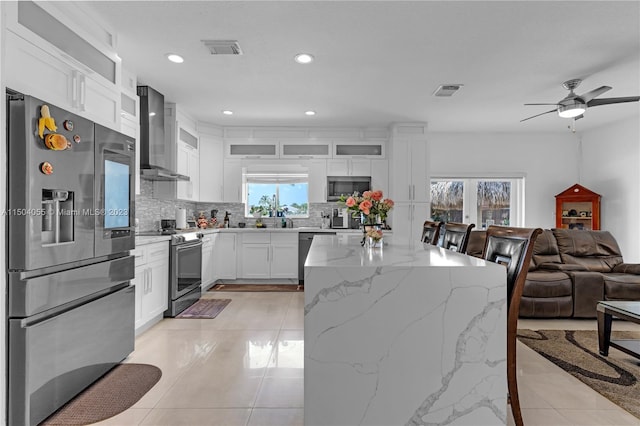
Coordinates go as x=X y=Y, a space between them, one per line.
x=304 y=244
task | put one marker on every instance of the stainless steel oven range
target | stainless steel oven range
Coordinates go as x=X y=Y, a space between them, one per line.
x=185 y=271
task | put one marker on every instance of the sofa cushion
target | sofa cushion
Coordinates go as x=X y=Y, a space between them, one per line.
x=550 y=307
x=545 y=249
x=598 y=251
x=621 y=286
x=547 y=284
x=627 y=268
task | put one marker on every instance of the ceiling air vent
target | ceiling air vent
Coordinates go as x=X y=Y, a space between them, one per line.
x=447 y=90
x=223 y=47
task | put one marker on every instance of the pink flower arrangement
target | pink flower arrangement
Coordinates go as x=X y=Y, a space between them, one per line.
x=371 y=204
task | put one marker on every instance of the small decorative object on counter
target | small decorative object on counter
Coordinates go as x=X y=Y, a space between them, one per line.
x=372 y=208
x=226 y=219
x=373 y=237
x=284 y=223
x=202 y=221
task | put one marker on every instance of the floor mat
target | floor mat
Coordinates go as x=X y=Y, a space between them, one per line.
x=205 y=308
x=616 y=376
x=113 y=393
x=257 y=287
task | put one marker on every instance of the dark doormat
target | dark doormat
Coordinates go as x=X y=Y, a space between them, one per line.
x=615 y=376
x=113 y=393
x=205 y=308
x=257 y=287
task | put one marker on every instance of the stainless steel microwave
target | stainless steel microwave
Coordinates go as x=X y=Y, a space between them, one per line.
x=346 y=185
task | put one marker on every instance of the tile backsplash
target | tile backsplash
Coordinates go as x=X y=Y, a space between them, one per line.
x=149 y=211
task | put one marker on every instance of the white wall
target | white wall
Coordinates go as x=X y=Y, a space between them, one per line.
x=610 y=163
x=549 y=162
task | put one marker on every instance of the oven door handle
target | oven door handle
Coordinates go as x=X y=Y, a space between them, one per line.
x=188 y=246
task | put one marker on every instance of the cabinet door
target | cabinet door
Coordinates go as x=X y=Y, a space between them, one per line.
x=207 y=262
x=359 y=167
x=243 y=149
x=211 y=169
x=232 y=181
x=100 y=104
x=380 y=176
x=419 y=171
x=338 y=167
x=224 y=253
x=194 y=174
x=318 y=181
x=400 y=172
x=256 y=259
x=140 y=283
x=284 y=256
x=407 y=220
x=156 y=300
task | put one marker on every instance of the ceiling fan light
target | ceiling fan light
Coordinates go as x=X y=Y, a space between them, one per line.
x=571 y=110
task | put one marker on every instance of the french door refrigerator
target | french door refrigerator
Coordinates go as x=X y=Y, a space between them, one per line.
x=69 y=225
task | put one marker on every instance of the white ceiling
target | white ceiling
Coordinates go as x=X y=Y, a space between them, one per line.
x=379 y=62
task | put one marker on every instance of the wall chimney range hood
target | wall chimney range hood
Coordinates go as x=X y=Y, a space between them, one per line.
x=157 y=153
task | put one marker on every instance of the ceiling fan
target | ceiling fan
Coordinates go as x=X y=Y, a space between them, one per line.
x=574 y=106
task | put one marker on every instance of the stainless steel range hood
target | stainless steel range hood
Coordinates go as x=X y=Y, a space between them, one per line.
x=157 y=153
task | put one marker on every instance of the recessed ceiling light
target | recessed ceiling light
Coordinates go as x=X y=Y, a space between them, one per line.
x=175 y=58
x=227 y=112
x=303 y=58
x=310 y=112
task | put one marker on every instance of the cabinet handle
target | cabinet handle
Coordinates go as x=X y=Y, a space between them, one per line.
x=83 y=92
x=409 y=192
x=74 y=88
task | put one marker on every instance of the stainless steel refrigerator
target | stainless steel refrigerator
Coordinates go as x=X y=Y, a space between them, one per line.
x=70 y=218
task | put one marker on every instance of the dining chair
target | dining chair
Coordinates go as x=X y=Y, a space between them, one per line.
x=513 y=248
x=430 y=232
x=456 y=236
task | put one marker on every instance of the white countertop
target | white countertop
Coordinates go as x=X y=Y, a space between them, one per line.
x=402 y=335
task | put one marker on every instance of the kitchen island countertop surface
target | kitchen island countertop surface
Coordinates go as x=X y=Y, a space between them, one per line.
x=402 y=335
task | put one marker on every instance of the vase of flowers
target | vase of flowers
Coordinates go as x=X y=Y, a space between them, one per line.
x=372 y=208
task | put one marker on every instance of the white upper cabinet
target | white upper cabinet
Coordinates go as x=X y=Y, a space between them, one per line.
x=130 y=116
x=409 y=164
x=181 y=130
x=305 y=149
x=211 y=163
x=232 y=181
x=56 y=52
x=351 y=167
x=317 y=181
x=252 y=149
x=359 y=149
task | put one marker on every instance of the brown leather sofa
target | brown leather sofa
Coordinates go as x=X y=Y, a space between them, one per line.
x=570 y=271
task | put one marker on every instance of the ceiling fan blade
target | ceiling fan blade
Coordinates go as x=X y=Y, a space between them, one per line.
x=538 y=115
x=607 y=101
x=542 y=104
x=578 y=117
x=595 y=92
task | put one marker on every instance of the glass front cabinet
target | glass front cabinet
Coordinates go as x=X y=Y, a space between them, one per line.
x=578 y=208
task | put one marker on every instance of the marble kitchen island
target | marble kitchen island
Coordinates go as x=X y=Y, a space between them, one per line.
x=402 y=335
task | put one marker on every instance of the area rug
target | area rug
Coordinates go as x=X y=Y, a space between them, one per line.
x=616 y=376
x=257 y=287
x=113 y=393
x=205 y=308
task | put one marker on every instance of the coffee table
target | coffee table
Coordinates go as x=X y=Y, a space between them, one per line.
x=629 y=311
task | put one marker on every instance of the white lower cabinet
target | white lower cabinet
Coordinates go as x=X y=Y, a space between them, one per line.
x=224 y=255
x=208 y=270
x=408 y=219
x=152 y=283
x=267 y=255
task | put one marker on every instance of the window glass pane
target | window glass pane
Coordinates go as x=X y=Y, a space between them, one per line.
x=494 y=203
x=447 y=200
x=293 y=199
x=261 y=195
x=278 y=199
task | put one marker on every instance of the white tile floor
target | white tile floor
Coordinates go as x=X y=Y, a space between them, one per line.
x=246 y=368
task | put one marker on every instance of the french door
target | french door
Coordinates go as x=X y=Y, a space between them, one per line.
x=483 y=201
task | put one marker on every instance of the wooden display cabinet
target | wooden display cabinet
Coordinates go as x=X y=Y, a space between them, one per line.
x=578 y=208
